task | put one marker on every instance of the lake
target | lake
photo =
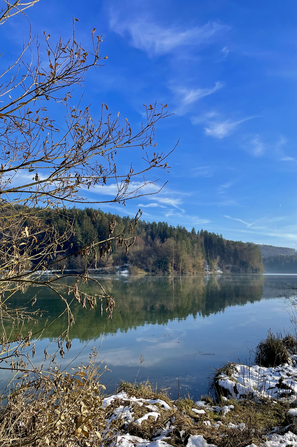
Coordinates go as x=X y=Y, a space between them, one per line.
x=171 y=330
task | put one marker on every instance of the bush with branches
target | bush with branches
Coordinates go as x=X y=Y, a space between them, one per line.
x=43 y=168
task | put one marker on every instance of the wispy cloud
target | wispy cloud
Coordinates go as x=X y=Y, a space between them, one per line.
x=169 y=201
x=215 y=126
x=157 y=39
x=246 y=223
x=279 y=145
x=164 y=202
x=151 y=205
x=186 y=96
x=224 y=53
x=203 y=171
x=285 y=158
x=268 y=219
x=114 y=188
x=222 y=188
x=258 y=148
x=224 y=128
x=186 y=219
x=282 y=141
x=203 y=118
x=279 y=234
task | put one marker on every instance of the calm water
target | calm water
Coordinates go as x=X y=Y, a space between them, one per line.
x=169 y=328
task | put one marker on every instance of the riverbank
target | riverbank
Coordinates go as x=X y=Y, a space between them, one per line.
x=255 y=406
x=71 y=411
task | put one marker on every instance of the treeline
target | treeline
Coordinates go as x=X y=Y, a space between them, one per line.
x=139 y=302
x=159 y=248
x=280 y=264
x=270 y=250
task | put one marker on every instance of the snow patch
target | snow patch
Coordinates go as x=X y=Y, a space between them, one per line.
x=153 y=414
x=198 y=411
x=293 y=412
x=277 y=382
x=286 y=440
x=198 y=441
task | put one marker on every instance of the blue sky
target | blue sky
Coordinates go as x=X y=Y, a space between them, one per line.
x=228 y=72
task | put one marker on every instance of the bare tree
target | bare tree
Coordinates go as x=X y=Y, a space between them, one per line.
x=43 y=168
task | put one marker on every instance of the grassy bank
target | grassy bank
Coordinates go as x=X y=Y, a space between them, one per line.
x=62 y=409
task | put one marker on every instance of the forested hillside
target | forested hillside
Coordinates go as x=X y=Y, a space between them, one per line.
x=159 y=248
x=270 y=250
x=280 y=264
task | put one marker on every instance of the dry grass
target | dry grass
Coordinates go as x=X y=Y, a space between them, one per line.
x=273 y=351
x=66 y=410
x=56 y=409
x=259 y=418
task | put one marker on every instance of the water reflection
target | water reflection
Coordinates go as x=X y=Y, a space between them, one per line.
x=147 y=300
x=183 y=327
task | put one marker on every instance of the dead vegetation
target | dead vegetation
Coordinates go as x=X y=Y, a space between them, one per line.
x=273 y=350
x=63 y=409
x=248 y=422
x=56 y=409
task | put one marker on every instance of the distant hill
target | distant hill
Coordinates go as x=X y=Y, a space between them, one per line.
x=269 y=250
x=280 y=264
x=278 y=259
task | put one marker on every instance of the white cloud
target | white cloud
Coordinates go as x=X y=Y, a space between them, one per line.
x=288 y=159
x=157 y=40
x=186 y=96
x=186 y=219
x=163 y=202
x=151 y=205
x=203 y=171
x=238 y=220
x=113 y=188
x=168 y=201
x=282 y=141
x=248 y=225
x=223 y=129
x=225 y=186
x=258 y=147
x=225 y=52
x=280 y=234
x=203 y=118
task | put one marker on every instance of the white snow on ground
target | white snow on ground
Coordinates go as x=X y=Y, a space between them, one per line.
x=153 y=414
x=108 y=400
x=134 y=441
x=124 y=396
x=123 y=413
x=198 y=411
x=198 y=441
x=275 y=383
x=286 y=440
x=201 y=403
x=255 y=380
